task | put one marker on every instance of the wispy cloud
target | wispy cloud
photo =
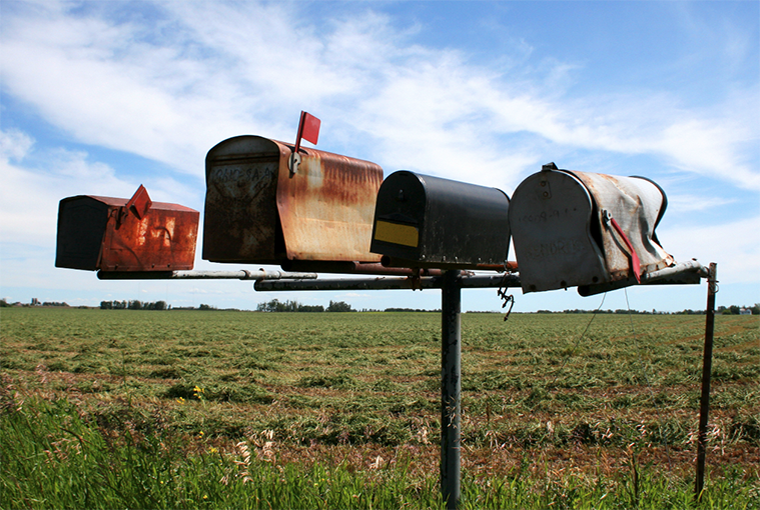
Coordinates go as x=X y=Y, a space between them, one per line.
x=168 y=80
x=683 y=203
x=170 y=84
x=734 y=246
x=29 y=196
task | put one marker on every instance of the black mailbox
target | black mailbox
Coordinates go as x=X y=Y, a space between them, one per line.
x=424 y=221
x=587 y=230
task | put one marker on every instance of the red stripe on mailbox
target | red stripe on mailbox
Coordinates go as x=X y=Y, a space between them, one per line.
x=635 y=264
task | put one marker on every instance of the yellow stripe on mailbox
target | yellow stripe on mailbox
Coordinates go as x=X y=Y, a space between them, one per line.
x=396 y=233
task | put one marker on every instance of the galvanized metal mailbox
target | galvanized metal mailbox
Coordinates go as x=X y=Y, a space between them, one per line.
x=119 y=234
x=263 y=208
x=424 y=221
x=583 y=229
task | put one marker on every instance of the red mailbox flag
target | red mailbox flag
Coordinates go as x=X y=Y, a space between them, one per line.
x=308 y=129
x=140 y=203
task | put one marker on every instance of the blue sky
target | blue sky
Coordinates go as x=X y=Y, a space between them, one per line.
x=99 y=97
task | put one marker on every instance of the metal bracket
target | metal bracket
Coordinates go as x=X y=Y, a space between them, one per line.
x=293 y=161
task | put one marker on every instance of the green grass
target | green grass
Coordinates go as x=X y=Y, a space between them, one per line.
x=118 y=408
x=53 y=457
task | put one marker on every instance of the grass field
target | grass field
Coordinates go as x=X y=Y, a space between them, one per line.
x=158 y=409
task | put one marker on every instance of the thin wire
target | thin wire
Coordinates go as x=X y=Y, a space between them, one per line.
x=577 y=342
x=663 y=438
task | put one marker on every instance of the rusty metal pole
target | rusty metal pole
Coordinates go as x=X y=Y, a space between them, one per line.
x=704 y=404
x=451 y=375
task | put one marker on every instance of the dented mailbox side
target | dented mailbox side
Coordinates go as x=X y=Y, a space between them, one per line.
x=637 y=205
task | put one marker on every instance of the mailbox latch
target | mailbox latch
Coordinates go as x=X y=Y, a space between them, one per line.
x=293 y=161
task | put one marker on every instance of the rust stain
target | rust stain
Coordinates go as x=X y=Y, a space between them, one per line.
x=163 y=240
x=354 y=267
x=326 y=209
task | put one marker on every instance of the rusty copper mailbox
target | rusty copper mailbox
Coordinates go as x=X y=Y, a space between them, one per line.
x=262 y=210
x=117 y=234
x=584 y=229
x=429 y=222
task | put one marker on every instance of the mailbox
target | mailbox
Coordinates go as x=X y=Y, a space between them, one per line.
x=265 y=205
x=583 y=229
x=424 y=221
x=118 y=234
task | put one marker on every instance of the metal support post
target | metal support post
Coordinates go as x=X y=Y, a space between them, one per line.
x=704 y=403
x=451 y=386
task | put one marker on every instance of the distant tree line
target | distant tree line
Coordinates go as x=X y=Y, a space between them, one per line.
x=34 y=302
x=736 y=310
x=276 y=305
x=133 y=305
x=721 y=310
x=341 y=306
x=411 y=310
x=619 y=311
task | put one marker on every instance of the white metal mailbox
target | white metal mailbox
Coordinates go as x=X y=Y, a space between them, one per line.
x=579 y=229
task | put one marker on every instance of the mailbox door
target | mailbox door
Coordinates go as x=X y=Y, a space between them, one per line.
x=550 y=217
x=81 y=226
x=400 y=217
x=240 y=221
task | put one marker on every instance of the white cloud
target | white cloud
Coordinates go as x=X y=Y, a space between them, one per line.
x=734 y=246
x=170 y=81
x=354 y=295
x=29 y=196
x=14 y=145
x=681 y=203
x=170 y=86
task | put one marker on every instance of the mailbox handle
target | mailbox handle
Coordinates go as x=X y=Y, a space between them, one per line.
x=635 y=263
